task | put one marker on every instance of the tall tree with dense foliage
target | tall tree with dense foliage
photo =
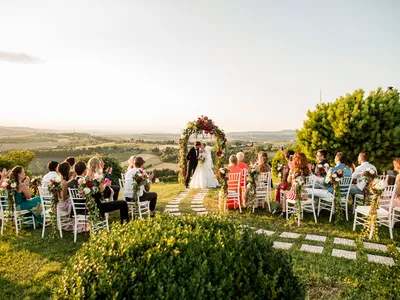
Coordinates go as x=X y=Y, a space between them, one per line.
x=354 y=124
x=14 y=158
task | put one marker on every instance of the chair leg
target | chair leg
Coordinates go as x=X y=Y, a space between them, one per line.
x=75 y=229
x=319 y=206
x=16 y=223
x=347 y=213
x=44 y=225
x=59 y=224
x=355 y=220
x=287 y=211
x=332 y=209
x=240 y=208
x=313 y=210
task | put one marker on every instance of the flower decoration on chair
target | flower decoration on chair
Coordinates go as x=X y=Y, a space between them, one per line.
x=34 y=185
x=88 y=187
x=335 y=178
x=206 y=127
x=370 y=229
x=54 y=188
x=321 y=170
x=222 y=176
x=298 y=182
x=10 y=186
x=139 y=179
x=368 y=177
x=252 y=177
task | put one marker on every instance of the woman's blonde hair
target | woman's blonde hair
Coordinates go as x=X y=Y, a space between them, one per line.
x=240 y=156
x=131 y=160
x=94 y=165
x=233 y=160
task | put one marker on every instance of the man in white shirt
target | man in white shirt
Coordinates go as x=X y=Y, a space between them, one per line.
x=52 y=166
x=359 y=171
x=144 y=193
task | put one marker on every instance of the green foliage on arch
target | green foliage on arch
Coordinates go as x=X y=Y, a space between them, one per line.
x=354 y=124
x=203 y=125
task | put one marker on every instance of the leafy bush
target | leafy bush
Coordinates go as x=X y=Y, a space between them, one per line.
x=354 y=124
x=14 y=158
x=109 y=162
x=279 y=158
x=169 y=154
x=166 y=175
x=193 y=257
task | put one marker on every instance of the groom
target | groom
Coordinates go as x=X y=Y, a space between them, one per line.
x=192 y=158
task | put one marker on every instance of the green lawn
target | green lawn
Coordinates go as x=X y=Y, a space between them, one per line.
x=30 y=266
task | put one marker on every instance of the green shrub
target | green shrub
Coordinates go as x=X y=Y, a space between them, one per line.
x=14 y=158
x=166 y=175
x=109 y=162
x=192 y=257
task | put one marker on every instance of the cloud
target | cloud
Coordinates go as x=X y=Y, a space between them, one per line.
x=21 y=58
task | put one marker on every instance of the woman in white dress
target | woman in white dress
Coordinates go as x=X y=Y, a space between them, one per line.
x=204 y=176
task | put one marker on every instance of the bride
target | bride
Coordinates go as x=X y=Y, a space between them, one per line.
x=204 y=177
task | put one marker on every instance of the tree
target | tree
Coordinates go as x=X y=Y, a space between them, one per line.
x=354 y=124
x=17 y=158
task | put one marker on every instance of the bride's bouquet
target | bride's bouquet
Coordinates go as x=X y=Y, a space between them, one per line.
x=201 y=159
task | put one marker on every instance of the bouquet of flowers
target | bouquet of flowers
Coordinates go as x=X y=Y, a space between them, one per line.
x=222 y=177
x=376 y=188
x=88 y=187
x=298 y=192
x=321 y=170
x=201 y=159
x=34 y=184
x=9 y=188
x=54 y=188
x=139 y=179
x=368 y=176
x=335 y=178
x=279 y=169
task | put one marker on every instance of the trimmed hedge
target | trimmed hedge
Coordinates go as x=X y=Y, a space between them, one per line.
x=192 y=257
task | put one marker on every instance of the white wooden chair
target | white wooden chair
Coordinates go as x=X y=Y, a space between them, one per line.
x=359 y=199
x=81 y=213
x=385 y=214
x=62 y=217
x=3 y=211
x=142 y=207
x=328 y=203
x=233 y=191
x=243 y=182
x=262 y=190
x=121 y=183
x=306 y=205
x=123 y=177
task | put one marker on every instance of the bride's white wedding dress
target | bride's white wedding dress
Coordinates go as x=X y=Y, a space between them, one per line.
x=204 y=176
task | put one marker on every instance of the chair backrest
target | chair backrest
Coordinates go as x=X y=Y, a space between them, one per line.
x=386 y=199
x=385 y=178
x=3 y=203
x=123 y=176
x=121 y=183
x=262 y=181
x=243 y=177
x=45 y=198
x=78 y=202
x=234 y=181
x=310 y=180
x=345 y=185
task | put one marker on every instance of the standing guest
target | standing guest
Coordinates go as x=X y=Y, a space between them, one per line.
x=107 y=192
x=104 y=207
x=240 y=158
x=359 y=171
x=192 y=158
x=52 y=166
x=144 y=193
x=300 y=163
x=233 y=165
x=23 y=195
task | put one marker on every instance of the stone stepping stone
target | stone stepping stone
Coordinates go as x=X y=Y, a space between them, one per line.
x=344 y=253
x=282 y=245
x=172 y=210
x=380 y=259
x=290 y=235
x=202 y=213
x=346 y=242
x=263 y=231
x=317 y=238
x=374 y=246
x=174 y=202
x=172 y=206
x=200 y=209
x=311 y=248
x=175 y=214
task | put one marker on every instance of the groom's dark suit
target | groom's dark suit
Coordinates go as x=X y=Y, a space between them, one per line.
x=192 y=158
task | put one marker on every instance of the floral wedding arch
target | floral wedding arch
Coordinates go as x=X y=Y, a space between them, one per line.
x=202 y=126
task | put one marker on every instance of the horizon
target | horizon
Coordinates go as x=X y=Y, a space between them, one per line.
x=255 y=66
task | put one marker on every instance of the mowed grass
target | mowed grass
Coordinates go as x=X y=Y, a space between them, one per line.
x=30 y=267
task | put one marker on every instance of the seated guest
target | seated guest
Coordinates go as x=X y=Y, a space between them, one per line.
x=23 y=195
x=321 y=160
x=144 y=193
x=64 y=201
x=396 y=165
x=233 y=165
x=104 y=207
x=131 y=162
x=240 y=158
x=4 y=175
x=359 y=171
x=52 y=166
x=71 y=161
x=340 y=158
x=114 y=188
x=95 y=168
x=300 y=163
x=284 y=185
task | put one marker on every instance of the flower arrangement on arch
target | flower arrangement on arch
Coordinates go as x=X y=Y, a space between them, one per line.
x=54 y=188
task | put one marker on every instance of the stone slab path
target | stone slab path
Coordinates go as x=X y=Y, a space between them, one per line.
x=197 y=202
x=173 y=206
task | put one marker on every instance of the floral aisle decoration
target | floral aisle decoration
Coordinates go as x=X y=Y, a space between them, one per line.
x=34 y=185
x=322 y=170
x=298 y=182
x=335 y=178
x=206 y=127
x=54 y=188
x=139 y=179
x=252 y=176
x=223 y=178
x=279 y=169
x=370 y=229
x=88 y=187
x=368 y=177
x=9 y=189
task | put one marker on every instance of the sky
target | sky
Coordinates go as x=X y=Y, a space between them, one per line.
x=154 y=65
